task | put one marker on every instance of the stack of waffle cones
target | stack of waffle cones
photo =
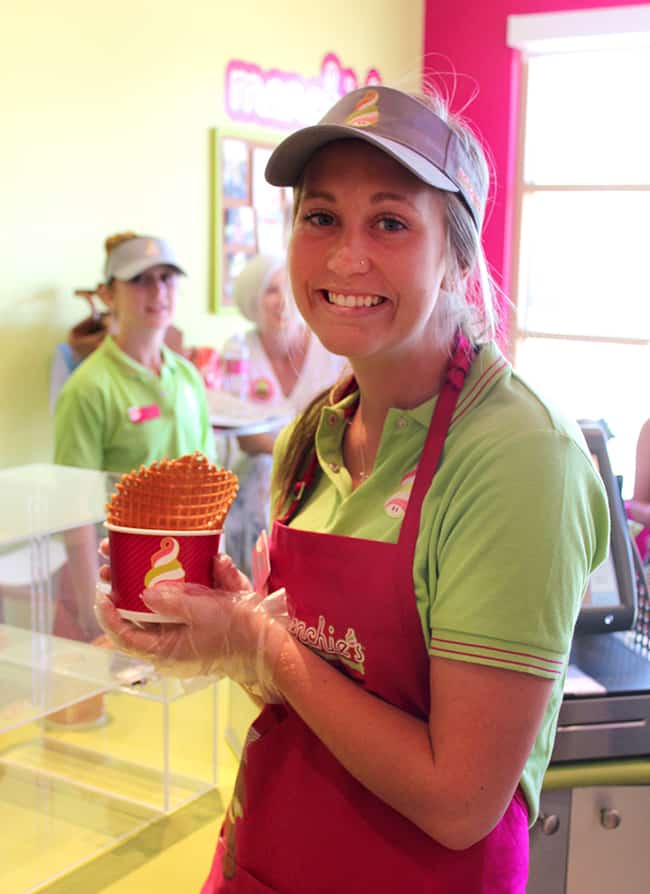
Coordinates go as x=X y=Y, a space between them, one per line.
x=185 y=494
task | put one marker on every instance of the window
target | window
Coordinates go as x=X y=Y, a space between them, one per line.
x=582 y=231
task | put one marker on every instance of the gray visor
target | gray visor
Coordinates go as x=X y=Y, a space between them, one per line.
x=133 y=256
x=401 y=126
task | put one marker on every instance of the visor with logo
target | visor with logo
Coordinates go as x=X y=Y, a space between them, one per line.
x=400 y=125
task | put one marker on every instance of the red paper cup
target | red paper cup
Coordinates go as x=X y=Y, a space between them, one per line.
x=141 y=558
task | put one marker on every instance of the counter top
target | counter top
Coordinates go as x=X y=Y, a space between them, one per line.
x=43 y=498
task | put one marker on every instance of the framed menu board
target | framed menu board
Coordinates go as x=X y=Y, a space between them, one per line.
x=249 y=216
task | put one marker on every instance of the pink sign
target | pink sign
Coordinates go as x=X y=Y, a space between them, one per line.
x=285 y=100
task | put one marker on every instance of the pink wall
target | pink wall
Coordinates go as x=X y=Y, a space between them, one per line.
x=470 y=39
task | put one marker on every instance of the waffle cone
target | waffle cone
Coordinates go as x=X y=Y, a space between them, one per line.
x=185 y=494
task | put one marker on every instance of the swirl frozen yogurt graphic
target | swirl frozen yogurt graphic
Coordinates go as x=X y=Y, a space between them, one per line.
x=165 y=566
x=395 y=506
x=366 y=111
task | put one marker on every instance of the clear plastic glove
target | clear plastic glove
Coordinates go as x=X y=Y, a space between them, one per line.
x=227 y=631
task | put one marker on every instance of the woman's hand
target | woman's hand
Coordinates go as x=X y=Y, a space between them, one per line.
x=226 y=631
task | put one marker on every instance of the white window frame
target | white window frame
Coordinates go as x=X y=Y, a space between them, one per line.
x=561 y=32
x=589 y=29
x=543 y=34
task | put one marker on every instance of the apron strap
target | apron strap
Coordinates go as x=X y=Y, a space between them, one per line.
x=457 y=370
x=299 y=489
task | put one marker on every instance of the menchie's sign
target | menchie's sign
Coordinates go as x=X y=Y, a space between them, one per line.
x=285 y=100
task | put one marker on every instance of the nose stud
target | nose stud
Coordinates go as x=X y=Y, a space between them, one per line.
x=346 y=263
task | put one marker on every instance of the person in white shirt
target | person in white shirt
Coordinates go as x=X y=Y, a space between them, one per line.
x=287 y=368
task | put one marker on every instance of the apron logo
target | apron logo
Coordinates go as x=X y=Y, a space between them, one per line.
x=395 y=506
x=348 y=650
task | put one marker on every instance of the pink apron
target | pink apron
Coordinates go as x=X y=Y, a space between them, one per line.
x=299 y=823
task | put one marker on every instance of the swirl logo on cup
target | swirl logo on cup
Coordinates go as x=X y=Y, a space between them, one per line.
x=164 y=564
x=142 y=558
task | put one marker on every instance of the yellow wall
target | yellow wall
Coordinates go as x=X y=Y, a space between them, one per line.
x=106 y=114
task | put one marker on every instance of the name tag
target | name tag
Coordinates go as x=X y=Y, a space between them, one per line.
x=142 y=414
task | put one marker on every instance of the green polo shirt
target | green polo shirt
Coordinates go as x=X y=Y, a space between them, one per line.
x=513 y=524
x=115 y=414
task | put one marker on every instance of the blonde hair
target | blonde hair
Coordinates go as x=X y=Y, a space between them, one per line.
x=468 y=292
x=112 y=242
x=467 y=298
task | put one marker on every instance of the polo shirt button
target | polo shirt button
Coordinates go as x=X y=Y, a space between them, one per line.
x=335 y=467
x=333 y=419
x=402 y=422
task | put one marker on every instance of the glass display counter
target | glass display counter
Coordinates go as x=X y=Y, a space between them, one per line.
x=38 y=503
x=70 y=791
x=93 y=745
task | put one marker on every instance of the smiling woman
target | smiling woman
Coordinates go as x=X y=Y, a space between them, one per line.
x=133 y=370
x=435 y=526
x=132 y=401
